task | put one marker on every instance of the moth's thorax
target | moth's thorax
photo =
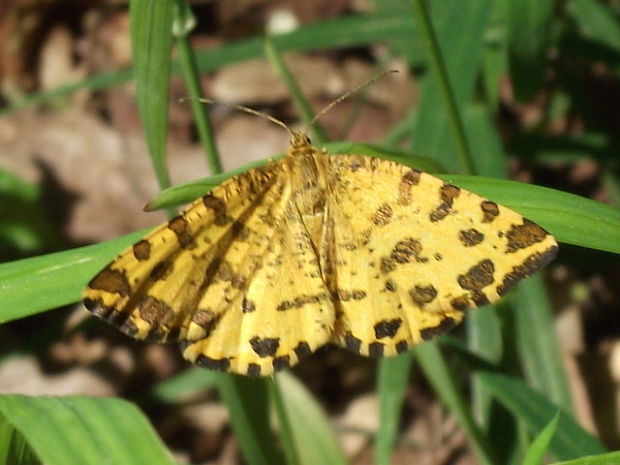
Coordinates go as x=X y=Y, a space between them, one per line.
x=305 y=165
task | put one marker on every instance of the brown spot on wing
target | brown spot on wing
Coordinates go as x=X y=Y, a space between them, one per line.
x=352 y=343
x=265 y=347
x=490 y=211
x=180 y=228
x=478 y=276
x=460 y=303
x=470 y=237
x=161 y=271
x=281 y=362
x=429 y=333
x=219 y=364
x=247 y=306
x=302 y=350
x=407 y=249
x=383 y=215
x=423 y=294
x=524 y=235
x=207 y=320
x=409 y=179
x=375 y=349
x=531 y=264
x=154 y=311
x=112 y=281
x=254 y=369
x=447 y=194
x=217 y=205
x=387 y=328
x=142 y=250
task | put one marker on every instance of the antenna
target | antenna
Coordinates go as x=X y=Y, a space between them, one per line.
x=348 y=94
x=242 y=108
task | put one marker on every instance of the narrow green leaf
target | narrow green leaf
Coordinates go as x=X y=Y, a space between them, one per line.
x=151 y=45
x=303 y=106
x=538 y=345
x=184 y=22
x=83 y=431
x=612 y=458
x=34 y=285
x=570 y=440
x=536 y=452
x=313 y=434
x=392 y=381
x=434 y=366
x=247 y=400
x=461 y=38
x=529 y=27
x=192 y=381
x=14 y=449
x=597 y=21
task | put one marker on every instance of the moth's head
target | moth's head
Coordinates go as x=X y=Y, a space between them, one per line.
x=300 y=139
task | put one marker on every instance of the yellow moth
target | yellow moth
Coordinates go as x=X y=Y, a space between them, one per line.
x=314 y=249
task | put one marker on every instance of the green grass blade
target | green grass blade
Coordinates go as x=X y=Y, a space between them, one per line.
x=538 y=344
x=570 y=440
x=528 y=37
x=34 y=285
x=303 y=106
x=247 y=400
x=612 y=458
x=14 y=449
x=184 y=22
x=536 y=452
x=151 y=45
x=461 y=37
x=83 y=431
x=442 y=80
x=313 y=434
x=436 y=370
x=597 y=21
x=392 y=381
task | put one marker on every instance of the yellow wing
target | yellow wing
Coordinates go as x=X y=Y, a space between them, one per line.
x=284 y=314
x=153 y=289
x=411 y=253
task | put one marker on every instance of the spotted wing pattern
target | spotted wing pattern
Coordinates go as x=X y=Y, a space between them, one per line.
x=274 y=263
x=411 y=253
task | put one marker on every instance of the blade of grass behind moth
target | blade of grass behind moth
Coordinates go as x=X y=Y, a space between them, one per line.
x=436 y=370
x=538 y=344
x=569 y=442
x=461 y=37
x=302 y=105
x=184 y=23
x=392 y=380
x=597 y=21
x=311 y=429
x=284 y=422
x=444 y=86
x=151 y=45
x=612 y=458
x=247 y=400
x=33 y=285
x=529 y=33
x=84 y=431
x=538 y=449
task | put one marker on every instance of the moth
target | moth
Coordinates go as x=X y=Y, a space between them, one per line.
x=346 y=249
